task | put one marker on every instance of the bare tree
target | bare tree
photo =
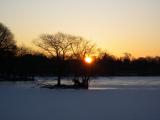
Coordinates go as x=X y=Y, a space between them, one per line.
x=63 y=46
x=81 y=47
x=58 y=45
x=7 y=42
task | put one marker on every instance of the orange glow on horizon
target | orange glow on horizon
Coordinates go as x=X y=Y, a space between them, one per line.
x=88 y=59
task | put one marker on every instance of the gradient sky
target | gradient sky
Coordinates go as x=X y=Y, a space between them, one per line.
x=116 y=25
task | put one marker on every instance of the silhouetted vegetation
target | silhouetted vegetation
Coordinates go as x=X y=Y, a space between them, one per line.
x=7 y=51
x=64 y=47
x=127 y=66
x=65 y=58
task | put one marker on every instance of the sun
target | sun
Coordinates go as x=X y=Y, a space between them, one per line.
x=88 y=59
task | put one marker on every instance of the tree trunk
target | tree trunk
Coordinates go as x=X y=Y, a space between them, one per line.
x=59 y=80
x=85 y=82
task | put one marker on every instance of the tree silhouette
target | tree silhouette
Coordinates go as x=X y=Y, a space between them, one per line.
x=7 y=51
x=80 y=49
x=7 y=42
x=65 y=46
x=58 y=45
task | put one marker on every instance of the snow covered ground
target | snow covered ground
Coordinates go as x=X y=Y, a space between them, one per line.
x=118 y=98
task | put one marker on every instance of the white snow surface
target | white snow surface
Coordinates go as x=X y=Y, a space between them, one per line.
x=116 y=98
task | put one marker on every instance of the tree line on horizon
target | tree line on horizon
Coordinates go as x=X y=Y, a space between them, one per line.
x=63 y=55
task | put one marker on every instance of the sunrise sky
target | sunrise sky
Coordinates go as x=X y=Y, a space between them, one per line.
x=115 y=25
